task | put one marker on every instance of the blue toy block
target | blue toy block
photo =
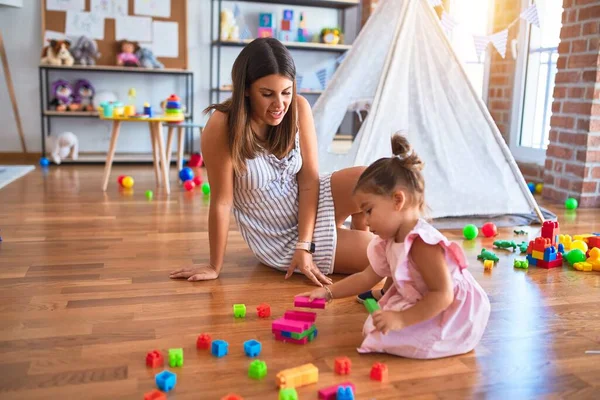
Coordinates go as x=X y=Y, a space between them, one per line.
x=550 y=254
x=252 y=348
x=561 y=248
x=345 y=393
x=219 y=348
x=286 y=334
x=532 y=261
x=266 y=20
x=166 y=380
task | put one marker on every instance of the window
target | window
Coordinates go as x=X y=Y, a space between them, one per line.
x=534 y=82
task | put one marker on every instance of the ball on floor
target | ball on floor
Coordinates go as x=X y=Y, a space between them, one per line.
x=186 y=174
x=470 y=231
x=571 y=203
x=489 y=229
x=127 y=182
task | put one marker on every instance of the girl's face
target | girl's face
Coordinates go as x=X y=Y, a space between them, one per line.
x=384 y=214
x=270 y=98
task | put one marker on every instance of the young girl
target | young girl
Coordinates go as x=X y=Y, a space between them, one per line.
x=434 y=307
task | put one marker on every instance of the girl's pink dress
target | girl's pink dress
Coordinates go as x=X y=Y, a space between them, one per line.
x=456 y=330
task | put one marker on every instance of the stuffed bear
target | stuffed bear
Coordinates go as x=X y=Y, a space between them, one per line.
x=57 y=53
x=63 y=146
x=85 y=51
x=63 y=96
x=147 y=58
x=83 y=95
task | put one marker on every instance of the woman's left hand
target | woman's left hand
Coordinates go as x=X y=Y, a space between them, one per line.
x=304 y=262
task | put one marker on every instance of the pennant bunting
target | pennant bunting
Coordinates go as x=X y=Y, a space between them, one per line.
x=448 y=23
x=481 y=43
x=531 y=15
x=499 y=41
x=322 y=75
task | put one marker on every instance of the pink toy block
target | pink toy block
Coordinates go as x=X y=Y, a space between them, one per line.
x=265 y=32
x=287 y=325
x=330 y=393
x=302 y=301
x=307 y=316
x=281 y=338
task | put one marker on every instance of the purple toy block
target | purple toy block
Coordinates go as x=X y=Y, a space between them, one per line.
x=287 y=325
x=330 y=393
x=307 y=316
x=302 y=301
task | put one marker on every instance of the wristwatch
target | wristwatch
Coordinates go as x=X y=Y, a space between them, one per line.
x=306 y=246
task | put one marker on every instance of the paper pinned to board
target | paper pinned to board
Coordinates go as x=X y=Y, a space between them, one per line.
x=110 y=8
x=165 y=39
x=153 y=8
x=82 y=23
x=137 y=29
x=65 y=5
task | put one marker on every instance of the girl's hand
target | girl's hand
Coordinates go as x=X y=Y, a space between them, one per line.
x=320 y=293
x=385 y=321
x=303 y=261
x=204 y=273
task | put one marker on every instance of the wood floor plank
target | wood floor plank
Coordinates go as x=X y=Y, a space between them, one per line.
x=85 y=294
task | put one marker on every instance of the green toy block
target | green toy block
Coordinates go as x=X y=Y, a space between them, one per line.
x=257 y=369
x=371 y=305
x=288 y=394
x=302 y=335
x=176 y=357
x=523 y=264
x=239 y=310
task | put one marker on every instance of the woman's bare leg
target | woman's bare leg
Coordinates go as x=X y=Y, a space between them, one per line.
x=342 y=186
x=351 y=251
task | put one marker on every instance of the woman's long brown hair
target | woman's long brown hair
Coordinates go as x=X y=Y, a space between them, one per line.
x=260 y=58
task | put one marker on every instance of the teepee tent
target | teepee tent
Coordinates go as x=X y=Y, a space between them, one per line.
x=402 y=66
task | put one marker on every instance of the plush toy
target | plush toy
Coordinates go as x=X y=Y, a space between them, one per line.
x=229 y=29
x=63 y=146
x=85 y=51
x=147 y=58
x=63 y=96
x=83 y=95
x=126 y=56
x=57 y=53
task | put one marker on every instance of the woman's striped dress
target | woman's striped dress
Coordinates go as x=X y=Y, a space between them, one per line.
x=265 y=206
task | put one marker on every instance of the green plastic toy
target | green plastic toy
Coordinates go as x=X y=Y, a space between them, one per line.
x=257 y=369
x=506 y=244
x=575 y=255
x=520 y=232
x=176 y=357
x=288 y=394
x=239 y=310
x=487 y=255
x=522 y=264
x=371 y=305
x=523 y=247
x=149 y=194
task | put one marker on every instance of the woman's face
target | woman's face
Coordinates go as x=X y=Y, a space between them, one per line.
x=270 y=98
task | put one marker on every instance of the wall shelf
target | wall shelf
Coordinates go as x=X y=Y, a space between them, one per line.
x=337 y=48
x=339 y=4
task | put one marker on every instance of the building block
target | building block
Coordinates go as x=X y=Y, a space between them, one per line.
x=263 y=310
x=176 y=357
x=488 y=265
x=252 y=348
x=540 y=244
x=307 y=316
x=331 y=392
x=287 y=339
x=561 y=248
x=549 y=264
x=220 y=348
x=155 y=395
x=583 y=266
x=306 y=333
x=313 y=335
x=531 y=260
x=371 y=305
x=257 y=369
x=550 y=231
x=154 y=359
x=345 y=392
x=539 y=255
x=594 y=241
x=239 y=310
x=297 y=376
x=379 y=372
x=288 y=394
x=550 y=254
x=166 y=380
x=288 y=325
x=302 y=301
x=565 y=240
x=594 y=258
x=342 y=365
x=232 y=396
x=266 y=20
x=203 y=341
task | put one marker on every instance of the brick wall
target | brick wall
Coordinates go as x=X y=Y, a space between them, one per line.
x=572 y=166
x=502 y=70
x=532 y=172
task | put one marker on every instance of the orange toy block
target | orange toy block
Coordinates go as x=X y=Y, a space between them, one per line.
x=343 y=365
x=155 y=395
x=298 y=376
x=540 y=244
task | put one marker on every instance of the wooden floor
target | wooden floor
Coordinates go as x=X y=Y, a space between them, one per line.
x=85 y=294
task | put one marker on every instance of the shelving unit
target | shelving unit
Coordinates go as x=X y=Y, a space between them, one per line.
x=217 y=44
x=46 y=114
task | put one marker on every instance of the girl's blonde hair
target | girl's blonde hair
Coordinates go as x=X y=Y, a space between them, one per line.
x=385 y=175
x=260 y=58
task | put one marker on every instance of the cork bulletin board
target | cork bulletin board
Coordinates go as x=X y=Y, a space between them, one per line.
x=55 y=21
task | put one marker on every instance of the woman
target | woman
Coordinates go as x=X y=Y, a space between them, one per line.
x=260 y=152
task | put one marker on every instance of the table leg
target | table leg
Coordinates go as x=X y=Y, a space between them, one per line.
x=154 y=153
x=179 y=148
x=111 y=153
x=169 y=139
x=163 y=161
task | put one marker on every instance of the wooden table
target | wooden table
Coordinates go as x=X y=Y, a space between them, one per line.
x=161 y=167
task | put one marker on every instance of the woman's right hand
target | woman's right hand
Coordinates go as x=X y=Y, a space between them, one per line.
x=204 y=273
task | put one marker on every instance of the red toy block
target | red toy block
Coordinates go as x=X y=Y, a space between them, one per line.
x=379 y=372
x=288 y=325
x=204 y=341
x=593 y=241
x=550 y=231
x=540 y=244
x=330 y=393
x=342 y=366
x=263 y=310
x=306 y=316
x=232 y=396
x=155 y=395
x=154 y=359
x=551 y=264
x=303 y=301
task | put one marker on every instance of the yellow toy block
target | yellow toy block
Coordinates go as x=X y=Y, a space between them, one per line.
x=298 y=376
x=566 y=241
x=583 y=266
x=594 y=259
x=583 y=237
x=488 y=265
x=537 y=254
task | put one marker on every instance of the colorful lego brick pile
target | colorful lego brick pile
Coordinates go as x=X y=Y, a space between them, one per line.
x=295 y=327
x=543 y=251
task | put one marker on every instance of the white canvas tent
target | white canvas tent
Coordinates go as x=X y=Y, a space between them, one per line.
x=403 y=65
